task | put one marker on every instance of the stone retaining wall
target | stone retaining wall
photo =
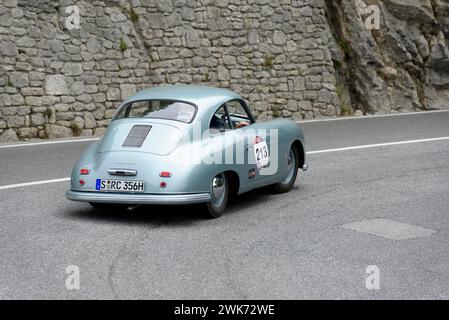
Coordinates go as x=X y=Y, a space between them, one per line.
x=56 y=82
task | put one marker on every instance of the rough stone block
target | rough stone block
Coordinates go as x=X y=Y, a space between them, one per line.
x=56 y=85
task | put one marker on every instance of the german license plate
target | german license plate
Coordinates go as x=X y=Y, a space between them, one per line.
x=119 y=185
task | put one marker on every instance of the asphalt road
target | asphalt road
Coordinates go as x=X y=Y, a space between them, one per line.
x=299 y=245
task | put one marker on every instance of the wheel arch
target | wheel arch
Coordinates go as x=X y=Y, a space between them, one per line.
x=234 y=182
x=301 y=152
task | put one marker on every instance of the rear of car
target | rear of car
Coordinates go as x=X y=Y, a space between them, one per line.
x=132 y=164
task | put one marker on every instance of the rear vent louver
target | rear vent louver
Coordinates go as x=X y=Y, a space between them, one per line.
x=136 y=136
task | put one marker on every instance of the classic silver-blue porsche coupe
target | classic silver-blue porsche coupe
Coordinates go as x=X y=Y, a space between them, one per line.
x=186 y=145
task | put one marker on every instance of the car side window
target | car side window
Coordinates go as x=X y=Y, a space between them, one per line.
x=238 y=115
x=139 y=108
x=220 y=121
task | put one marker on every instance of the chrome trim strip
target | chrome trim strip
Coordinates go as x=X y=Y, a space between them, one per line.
x=122 y=172
x=108 y=197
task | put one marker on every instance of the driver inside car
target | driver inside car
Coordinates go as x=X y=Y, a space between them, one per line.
x=241 y=124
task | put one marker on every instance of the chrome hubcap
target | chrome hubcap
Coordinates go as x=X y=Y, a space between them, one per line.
x=218 y=190
x=291 y=163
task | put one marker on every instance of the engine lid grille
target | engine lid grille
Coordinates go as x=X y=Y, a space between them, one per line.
x=136 y=136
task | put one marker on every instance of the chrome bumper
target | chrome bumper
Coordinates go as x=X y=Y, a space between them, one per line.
x=104 y=197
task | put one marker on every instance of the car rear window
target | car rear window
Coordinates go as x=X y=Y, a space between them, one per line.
x=159 y=109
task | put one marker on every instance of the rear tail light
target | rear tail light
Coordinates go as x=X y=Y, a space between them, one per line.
x=163 y=184
x=82 y=182
x=165 y=174
x=84 y=171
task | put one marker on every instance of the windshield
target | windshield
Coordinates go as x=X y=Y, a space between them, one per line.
x=160 y=109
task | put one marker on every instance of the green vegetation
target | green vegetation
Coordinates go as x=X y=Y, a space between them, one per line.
x=268 y=62
x=76 y=130
x=339 y=91
x=133 y=16
x=276 y=112
x=337 y=64
x=123 y=45
x=49 y=113
x=344 y=45
x=346 y=110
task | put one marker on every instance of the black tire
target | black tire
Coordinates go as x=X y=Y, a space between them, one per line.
x=217 y=205
x=289 y=181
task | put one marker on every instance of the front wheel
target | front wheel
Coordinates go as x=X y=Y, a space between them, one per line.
x=219 y=196
x=292 y=169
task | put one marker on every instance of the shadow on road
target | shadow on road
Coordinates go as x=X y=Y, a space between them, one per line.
x=142 y=215
x=163 y=215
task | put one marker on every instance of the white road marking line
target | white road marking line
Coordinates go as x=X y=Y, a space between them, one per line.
x=34 y=183
x=376 y=145
x=372 y=116
x=32 y=144
x=27 y=184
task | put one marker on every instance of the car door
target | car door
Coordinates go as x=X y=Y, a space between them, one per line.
x=261 y=153
x=254 y=148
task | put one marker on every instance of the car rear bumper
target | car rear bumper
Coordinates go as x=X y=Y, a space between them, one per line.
x=109 y=197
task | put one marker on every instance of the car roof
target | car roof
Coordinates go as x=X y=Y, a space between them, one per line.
x=202 y=96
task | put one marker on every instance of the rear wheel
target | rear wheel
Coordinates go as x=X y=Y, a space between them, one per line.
x=292 y=169
x=219 y=196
